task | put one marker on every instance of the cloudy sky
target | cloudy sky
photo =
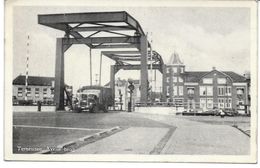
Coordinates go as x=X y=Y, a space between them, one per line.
x=203 y=37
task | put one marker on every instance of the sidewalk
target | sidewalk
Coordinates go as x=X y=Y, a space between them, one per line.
x=134 y=140
x=192 y=137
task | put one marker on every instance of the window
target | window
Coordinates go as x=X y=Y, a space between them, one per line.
x=181 y=90
x=207 y=80
x=175 y=92
x=29 y=92
x=209 y=91
x=180 y=79
x=203 y=103
x=182 y=70
x=224 y=90
x=210 y=103
x=206 y=90
x=174 y=69
x=44 y=92
x=221 y=91
x=37 y=92
x=222 y=80
x=228 y=103
x=240 y=91
x=221 y=103
x=190 y=91
x=203 y=91
x=168 y=70
x=167 y=90
x=229 y=90
x=168 y=79
x=20 y=92
x=174 y=79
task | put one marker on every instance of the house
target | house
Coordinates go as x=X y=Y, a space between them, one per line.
x=205 y=90
x=39 y=88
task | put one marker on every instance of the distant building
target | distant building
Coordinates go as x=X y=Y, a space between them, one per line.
x=205 y=90
x=122 y=95
x=39 y=88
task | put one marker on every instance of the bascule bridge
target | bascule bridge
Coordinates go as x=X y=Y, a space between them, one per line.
x=130 y=51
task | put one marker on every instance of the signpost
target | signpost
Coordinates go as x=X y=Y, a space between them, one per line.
x=131 y=87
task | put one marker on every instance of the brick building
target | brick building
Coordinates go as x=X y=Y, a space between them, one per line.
x=205 y=90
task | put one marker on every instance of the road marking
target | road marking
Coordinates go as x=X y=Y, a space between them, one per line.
x=159 y=147
x=64 y=128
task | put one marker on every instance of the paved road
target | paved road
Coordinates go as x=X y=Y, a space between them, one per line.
x=146 y=134
x=189 y=138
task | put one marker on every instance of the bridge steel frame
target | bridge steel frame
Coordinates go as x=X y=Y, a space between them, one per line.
x=73 y=24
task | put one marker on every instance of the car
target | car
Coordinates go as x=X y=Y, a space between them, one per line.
x=230 y=112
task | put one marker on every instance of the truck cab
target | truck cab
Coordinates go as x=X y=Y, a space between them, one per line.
x=92 y=99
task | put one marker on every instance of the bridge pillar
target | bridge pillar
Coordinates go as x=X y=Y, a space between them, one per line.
x=59 y=75
x=144 y=71
x=164 y=89
x=112 y=82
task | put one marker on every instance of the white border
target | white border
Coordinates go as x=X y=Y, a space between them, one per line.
x=137 y=158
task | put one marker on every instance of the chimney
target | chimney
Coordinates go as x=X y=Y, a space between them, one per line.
x=213 y=68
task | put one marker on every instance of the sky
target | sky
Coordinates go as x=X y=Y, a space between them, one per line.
x=203 y=37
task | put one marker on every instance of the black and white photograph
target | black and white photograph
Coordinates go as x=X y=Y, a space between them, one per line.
x=145 y=81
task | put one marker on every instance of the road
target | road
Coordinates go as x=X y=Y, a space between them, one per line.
x=140 y=133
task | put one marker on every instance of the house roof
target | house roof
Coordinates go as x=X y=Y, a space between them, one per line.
x=34 y=80
x=195 y=76
x=175 y=59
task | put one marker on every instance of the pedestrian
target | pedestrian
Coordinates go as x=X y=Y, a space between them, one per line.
x=39 y=105
x=222 y=113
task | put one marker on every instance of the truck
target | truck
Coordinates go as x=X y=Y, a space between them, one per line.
x=93 y=99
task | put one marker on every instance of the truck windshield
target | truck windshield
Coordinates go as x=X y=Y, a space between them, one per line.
x=84 y=96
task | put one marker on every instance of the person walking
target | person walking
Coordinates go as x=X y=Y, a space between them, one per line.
x=222 y=113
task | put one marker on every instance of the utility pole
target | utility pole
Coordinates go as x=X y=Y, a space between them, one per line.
x=96 y=79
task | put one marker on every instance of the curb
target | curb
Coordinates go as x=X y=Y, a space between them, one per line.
x=245 y=132
x=63 y=148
